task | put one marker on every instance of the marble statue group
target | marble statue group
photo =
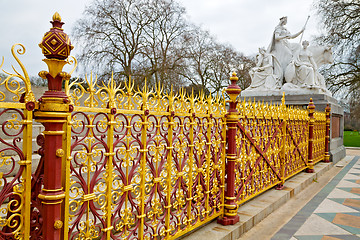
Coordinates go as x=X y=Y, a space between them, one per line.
x=290 y=67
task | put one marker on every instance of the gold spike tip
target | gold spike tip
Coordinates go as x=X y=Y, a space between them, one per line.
x=56 y=17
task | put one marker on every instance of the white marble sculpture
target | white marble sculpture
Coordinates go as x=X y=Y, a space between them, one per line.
x=302 y=72
x=302 y=69
x=293 y=64
x=280 y=46
x=262 y=75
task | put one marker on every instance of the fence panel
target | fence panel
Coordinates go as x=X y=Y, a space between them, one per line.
x=167 y=167
x=296 y=141
x=319 y=136
x=259 y=140
x=140 y=164
x=16 y=104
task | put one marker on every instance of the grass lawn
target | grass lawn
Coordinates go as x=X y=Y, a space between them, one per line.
x=351 y=139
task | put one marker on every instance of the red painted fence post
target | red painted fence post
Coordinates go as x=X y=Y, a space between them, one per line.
x=327 y=134
x=53 y=111
x=311 y=108
x=230 y=215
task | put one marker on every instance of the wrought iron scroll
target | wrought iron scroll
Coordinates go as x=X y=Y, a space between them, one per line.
x=272 y=143
x=296 y=141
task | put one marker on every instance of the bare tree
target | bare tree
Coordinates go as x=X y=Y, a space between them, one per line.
x=225 y=61
x=199 y=52
x=151 y=39
x=165 y=39
x=341 y=20
x=211 y=63
x=111 y=32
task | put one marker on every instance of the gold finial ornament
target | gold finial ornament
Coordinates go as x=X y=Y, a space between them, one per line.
x=55 y=43
x=311 y=105
x=56 y=47
x=233 y=90
x=234 y=77
x=56 y=17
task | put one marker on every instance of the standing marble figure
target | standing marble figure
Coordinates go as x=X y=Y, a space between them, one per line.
x=281 y=48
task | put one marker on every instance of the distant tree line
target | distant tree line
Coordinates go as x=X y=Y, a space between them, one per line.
x=152 y=39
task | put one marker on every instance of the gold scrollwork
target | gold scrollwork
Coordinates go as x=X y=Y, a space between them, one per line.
x=12 y=85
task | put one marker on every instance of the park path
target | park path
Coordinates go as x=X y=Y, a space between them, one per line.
x=329 y=213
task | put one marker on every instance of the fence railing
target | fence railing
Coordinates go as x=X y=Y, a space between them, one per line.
x=118 y=162
x=150 y=166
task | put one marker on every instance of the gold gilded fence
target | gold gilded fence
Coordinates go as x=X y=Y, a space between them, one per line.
x=319 y=136
x=259 y=144
x=296 y=130
x=272 y=144
x=140 y=163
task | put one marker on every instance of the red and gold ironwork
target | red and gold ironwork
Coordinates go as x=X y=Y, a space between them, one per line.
x=124 y=163
x=56 y=44
x=327 y=134
x=319 y=139
x=16 y=102
x=52 y=114
x=296 y=141
x=258 y=149
x=311 y=108
x=230 y=207
x=271 y=147
x=143 y=164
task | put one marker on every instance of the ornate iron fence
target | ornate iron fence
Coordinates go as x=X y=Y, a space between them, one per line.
x=16 y=104
x=319 y=136
x=124 y=163
x=144 y=164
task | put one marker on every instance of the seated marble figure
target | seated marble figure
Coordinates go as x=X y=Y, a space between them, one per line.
x=262 y=75
x=302 y=71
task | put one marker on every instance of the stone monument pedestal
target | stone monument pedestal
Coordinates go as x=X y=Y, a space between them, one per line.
x=337 y=149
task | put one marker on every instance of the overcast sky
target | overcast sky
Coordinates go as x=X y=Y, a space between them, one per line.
x=245 y=24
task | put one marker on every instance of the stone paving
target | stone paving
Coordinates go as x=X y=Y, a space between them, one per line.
x=320 y=205
x=334 y=212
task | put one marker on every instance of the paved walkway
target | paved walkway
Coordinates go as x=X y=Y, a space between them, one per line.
x=312 y=206
x=333 y=213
